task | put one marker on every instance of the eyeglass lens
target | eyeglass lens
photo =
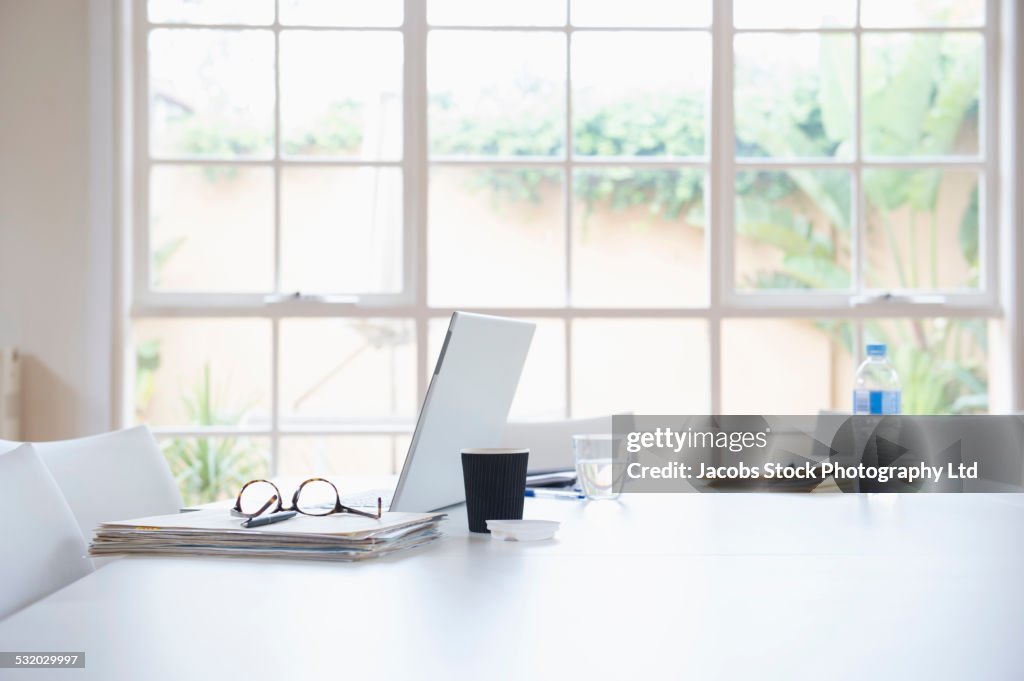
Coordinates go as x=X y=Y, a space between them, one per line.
x=258 y=497
x=316 y=497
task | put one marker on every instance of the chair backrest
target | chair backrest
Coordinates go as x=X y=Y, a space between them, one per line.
x=550 y=442
x=43 y=547
x=113 y=476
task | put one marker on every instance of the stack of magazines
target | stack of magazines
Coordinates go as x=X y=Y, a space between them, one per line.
x=214 y=532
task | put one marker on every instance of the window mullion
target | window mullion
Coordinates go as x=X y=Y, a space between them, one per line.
x=275 y=394
x=275 y=323
x=988 y=147
x=140 y=153
x=857 y=206
x=416 y=178
x=277 y=158
x=720 y=238
x=567 y=215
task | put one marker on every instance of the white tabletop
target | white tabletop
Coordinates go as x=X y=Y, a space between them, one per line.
x=653 y=586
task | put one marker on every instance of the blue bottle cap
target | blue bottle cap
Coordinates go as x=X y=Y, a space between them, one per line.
x=876 y=350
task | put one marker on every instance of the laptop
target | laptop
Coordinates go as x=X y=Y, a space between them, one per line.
x=466 y=405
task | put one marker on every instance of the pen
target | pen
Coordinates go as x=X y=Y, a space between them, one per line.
x=268 y=519
x=554 y=494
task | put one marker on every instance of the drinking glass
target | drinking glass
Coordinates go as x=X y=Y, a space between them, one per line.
x=594 y=469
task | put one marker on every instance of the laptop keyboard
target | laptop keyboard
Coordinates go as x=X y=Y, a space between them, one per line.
x=368 y=499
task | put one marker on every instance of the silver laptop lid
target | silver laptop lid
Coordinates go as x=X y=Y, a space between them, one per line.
x=466 y=405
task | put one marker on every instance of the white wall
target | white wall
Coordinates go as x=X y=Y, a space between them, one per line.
x=55 y=244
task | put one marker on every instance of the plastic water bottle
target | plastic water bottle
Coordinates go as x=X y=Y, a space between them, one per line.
x=876 y=387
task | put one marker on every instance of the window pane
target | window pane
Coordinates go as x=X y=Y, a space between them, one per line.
x=211 y=11
x=912 y=13
x=342 y=455
x=794 y=95
x=794 y=13
x=335 y=371
x=762 y=378
x=793 y=228
x=922 y=229
x=496 y=94
x=638 y=238
x=496 y=237
x=921 y=93
x=495 y=13
x=340 y=13
x=341 y=230
x=641 y=13
x=640 y=94
x=215 y=468
x=541 y=392
x=202 y=372
x=942 y=363
x=643 y=366
x=330 y=110
x=211 y=93
x=198 y=217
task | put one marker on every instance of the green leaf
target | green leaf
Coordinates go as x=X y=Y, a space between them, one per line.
x=817 y=272
x=923 y=189
x=828 y=191
x=897 y=92
x=836 y=95
x=956 y=94
x=772 y=233
x=968 y=234
x=970 y=404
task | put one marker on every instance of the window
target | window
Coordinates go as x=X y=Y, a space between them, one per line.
x=705 y=206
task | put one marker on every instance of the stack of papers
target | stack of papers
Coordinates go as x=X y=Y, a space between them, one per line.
x=215 y=532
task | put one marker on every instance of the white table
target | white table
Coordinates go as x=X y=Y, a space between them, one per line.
x=655 y=586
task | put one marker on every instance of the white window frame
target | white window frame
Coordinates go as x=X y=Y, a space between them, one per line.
x=720 y=165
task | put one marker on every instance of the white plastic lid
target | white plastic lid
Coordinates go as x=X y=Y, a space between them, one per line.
x=522 y=530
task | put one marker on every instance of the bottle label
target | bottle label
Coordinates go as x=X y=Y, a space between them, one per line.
x=883 y=402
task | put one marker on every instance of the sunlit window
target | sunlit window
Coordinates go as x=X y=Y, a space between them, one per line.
x=705 y=206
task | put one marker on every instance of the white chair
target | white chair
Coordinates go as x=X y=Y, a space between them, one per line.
x=113 y=476
x=550 y=442
x=43 y=547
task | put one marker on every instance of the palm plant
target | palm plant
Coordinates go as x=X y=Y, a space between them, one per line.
x=916 y=105
x=208 y=469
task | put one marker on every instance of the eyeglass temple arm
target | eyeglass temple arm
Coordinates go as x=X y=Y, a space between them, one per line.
x=264 y=507
x=366 y=514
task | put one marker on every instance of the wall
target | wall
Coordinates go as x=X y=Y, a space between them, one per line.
x=55 y=244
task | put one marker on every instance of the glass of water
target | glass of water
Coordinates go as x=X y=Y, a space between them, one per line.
x=594 y=454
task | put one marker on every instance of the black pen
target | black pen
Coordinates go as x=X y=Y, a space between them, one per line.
x=268 y=519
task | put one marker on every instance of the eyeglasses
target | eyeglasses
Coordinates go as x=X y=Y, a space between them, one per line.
x=313 y=497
